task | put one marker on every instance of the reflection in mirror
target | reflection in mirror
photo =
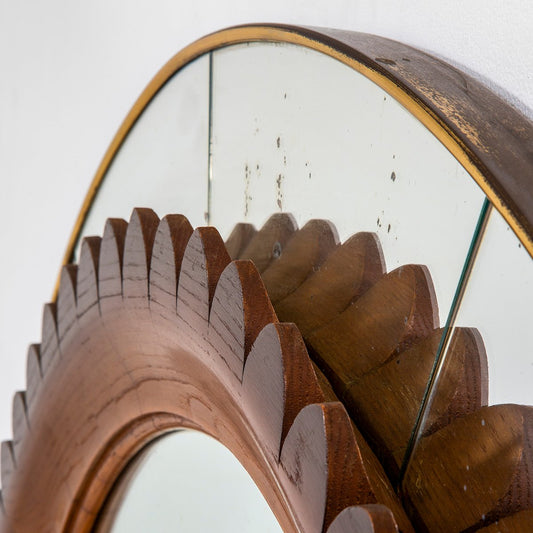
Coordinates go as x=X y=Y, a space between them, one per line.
x=186 y=481
x=163 y=160
x=475 y=447
x=299 y=132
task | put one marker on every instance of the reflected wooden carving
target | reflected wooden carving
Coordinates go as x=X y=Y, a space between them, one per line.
x=375 y=335
x=157 y=328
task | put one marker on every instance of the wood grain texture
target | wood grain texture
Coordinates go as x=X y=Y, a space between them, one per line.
x=487 y=454
x=396 y=312
x=172 y=236
x=522 y=521
x=87 y=286
x=19 y=418
x=33 y=372
x=138 y=246
x=129 y=375
x=240 y=310
x=8 y=465
x=66 y=300
x=280 y=353
x=303 y=254
x=49 y=342
x=385 y=402
x=110 y=264
x=346 y=274
x=317 y=439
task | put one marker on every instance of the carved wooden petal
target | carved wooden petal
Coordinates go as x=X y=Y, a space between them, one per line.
x=239 y=238
x=110 y=264
x=240 y=310
x=269 y=242
x=19 y=420
x=8 y=463
x=393 y=314
x=323 y=469
x=50 y=342
x=138 y=246
x=169 y=246
x=87 y=280
x=148 y=375
x=485 y=453
x=278 y=382
x=347 y=273
x=204 y=260
x=304 y=253
x=66 y=300
x=33 y=372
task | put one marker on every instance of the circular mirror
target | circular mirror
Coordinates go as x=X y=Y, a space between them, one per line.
x=186 y=481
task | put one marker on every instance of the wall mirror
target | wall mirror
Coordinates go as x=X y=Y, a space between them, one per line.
x=349 y=320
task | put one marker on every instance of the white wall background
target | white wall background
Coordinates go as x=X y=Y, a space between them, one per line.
x=70 y=71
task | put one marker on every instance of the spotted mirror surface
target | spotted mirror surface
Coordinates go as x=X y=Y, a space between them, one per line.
x=186 y=481
x=408 y=287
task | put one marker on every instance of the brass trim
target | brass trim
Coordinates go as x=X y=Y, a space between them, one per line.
x=320 y=40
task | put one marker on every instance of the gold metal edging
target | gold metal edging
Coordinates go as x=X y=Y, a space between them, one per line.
x=292 y=35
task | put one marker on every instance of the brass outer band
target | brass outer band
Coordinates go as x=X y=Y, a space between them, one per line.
x=492 y=140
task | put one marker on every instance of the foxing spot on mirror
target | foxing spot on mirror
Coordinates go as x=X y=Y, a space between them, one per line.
x=186 y=481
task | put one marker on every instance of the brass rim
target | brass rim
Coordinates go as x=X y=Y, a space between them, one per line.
x=318 y=40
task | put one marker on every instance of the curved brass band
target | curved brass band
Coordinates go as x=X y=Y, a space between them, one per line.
x=492 y=140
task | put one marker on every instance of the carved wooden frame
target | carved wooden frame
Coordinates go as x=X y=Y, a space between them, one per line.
x=157 y=329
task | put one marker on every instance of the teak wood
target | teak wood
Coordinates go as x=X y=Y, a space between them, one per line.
x=158 y=329
x=375 y=336
x=121 y=363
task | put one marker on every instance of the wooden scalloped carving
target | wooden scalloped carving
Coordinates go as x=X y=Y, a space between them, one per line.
x=156 y=329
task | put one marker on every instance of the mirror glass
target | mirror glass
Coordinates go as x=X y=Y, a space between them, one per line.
x=186 y=481
x=361 y=223
x=163 y=161
x=299 y=132
x=474 y=442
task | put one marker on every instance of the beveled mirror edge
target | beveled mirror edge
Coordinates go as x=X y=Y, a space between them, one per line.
x=491 y=139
